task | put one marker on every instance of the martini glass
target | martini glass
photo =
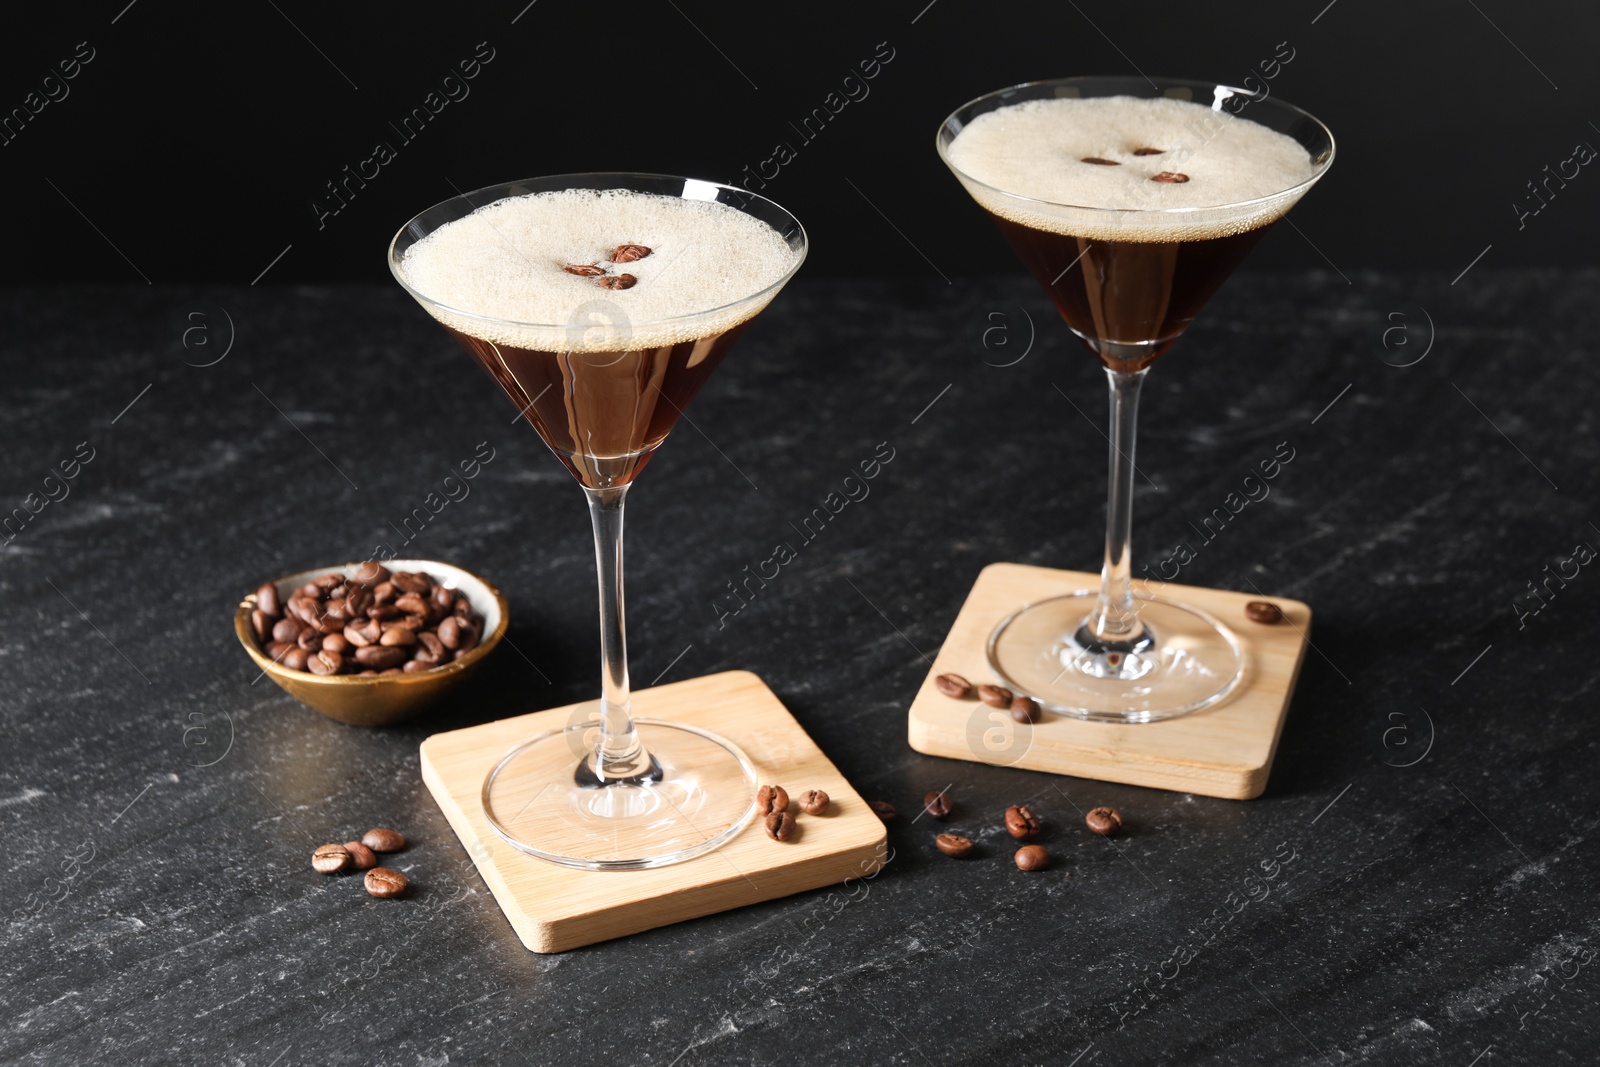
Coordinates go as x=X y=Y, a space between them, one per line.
x=608 y=791
x=1128 y=282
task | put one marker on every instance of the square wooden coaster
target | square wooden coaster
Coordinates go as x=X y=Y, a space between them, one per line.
x=554 y=908
x=1223 y=751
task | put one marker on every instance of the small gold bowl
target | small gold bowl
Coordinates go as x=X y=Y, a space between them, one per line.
x=380 y=700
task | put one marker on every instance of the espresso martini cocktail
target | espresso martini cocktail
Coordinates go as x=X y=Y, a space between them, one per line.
x=600 y=304
x=1130 y=201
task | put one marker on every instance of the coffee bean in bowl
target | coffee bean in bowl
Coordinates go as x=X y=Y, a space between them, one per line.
x=372 y=644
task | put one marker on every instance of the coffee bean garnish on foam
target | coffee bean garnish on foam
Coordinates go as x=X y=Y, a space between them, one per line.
x=375 y=622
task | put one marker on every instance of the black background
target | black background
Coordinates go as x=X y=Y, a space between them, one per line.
x=197 y=139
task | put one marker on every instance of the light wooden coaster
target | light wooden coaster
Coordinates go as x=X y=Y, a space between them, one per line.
x=1223 y=751
x=554 y=908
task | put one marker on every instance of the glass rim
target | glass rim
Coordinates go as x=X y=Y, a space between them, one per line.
x=1190 y=83
x=428 y=301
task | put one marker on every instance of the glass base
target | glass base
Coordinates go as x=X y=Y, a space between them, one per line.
x=540 y=800
x=1184 y=661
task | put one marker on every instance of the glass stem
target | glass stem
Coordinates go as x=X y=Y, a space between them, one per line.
x=618 y=757
x=1115 y=619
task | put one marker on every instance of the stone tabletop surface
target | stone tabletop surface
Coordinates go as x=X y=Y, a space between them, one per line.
x=1419 y=884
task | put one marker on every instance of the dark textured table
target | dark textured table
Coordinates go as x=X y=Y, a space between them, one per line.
x=1418 y=884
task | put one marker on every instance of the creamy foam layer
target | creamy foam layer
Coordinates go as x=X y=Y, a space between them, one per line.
x=505 y=260
x=1036 y=149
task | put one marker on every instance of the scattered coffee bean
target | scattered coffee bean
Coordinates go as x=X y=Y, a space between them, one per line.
x=1103 y=821
x=996 y=696
x=780 y=826
x=937 y=805
x=813 y=802
x=953 y=686
x=1170 y=177
x=883 y=810
x=771 y=798
x=1029 y=858
x=1021 y=823
x=407 y=618
x=954 y=845
x=1263 y=611
x=362 y=858
x=617 y=281
x=380 y=839
x=384 y=883
x=330 y=859
x=1097 y=161
x=583 y=270
x=1149 y=151
x=629 y=253
x=1025 y=709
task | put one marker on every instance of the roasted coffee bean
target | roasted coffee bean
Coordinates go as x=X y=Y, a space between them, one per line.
x=1032 y=858
x=411 y=582
x=311 y=590
x=309 y=640
x=583 y=270
x=450 y=632
x=382 y=839
x=954 y=845
x=261 y=624
x=400 y=637
x=362 y=858
x=463 y=608
x=780 y=826
x=813 y=802
x=953 y=686
x=356 y=634
x=617 y=281
x=295 y=658
x=424 y=659
x=1021 y=823
x=333 y=662
x=1171 y=177
x=392 y=670
x=431 y=642
x=384 y=592
x=328 y=581
x=771 y=798
x=287 y=630
x=267 y=600
x=996 y=696
x=469 y=639
x=329 y=625
x=371 y=573
x=629 y=253
x=356 y=602
x=1097 y=161
x=330 y=859
x=883 y=810
x=1103 y=821
x=336 y=643
x=303 y=608
x=384 y=883
x=276 y=650
x=1263 y=611
x=442 y=601
x=937 y=805
x=383 y=611
x=412 y=604
x=380 y=657
x=413 y=666
x=1149 y=151
x=1025 y=709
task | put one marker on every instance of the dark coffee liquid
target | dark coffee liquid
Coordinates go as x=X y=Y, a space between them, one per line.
x=603 y=413
x=1141 y=295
